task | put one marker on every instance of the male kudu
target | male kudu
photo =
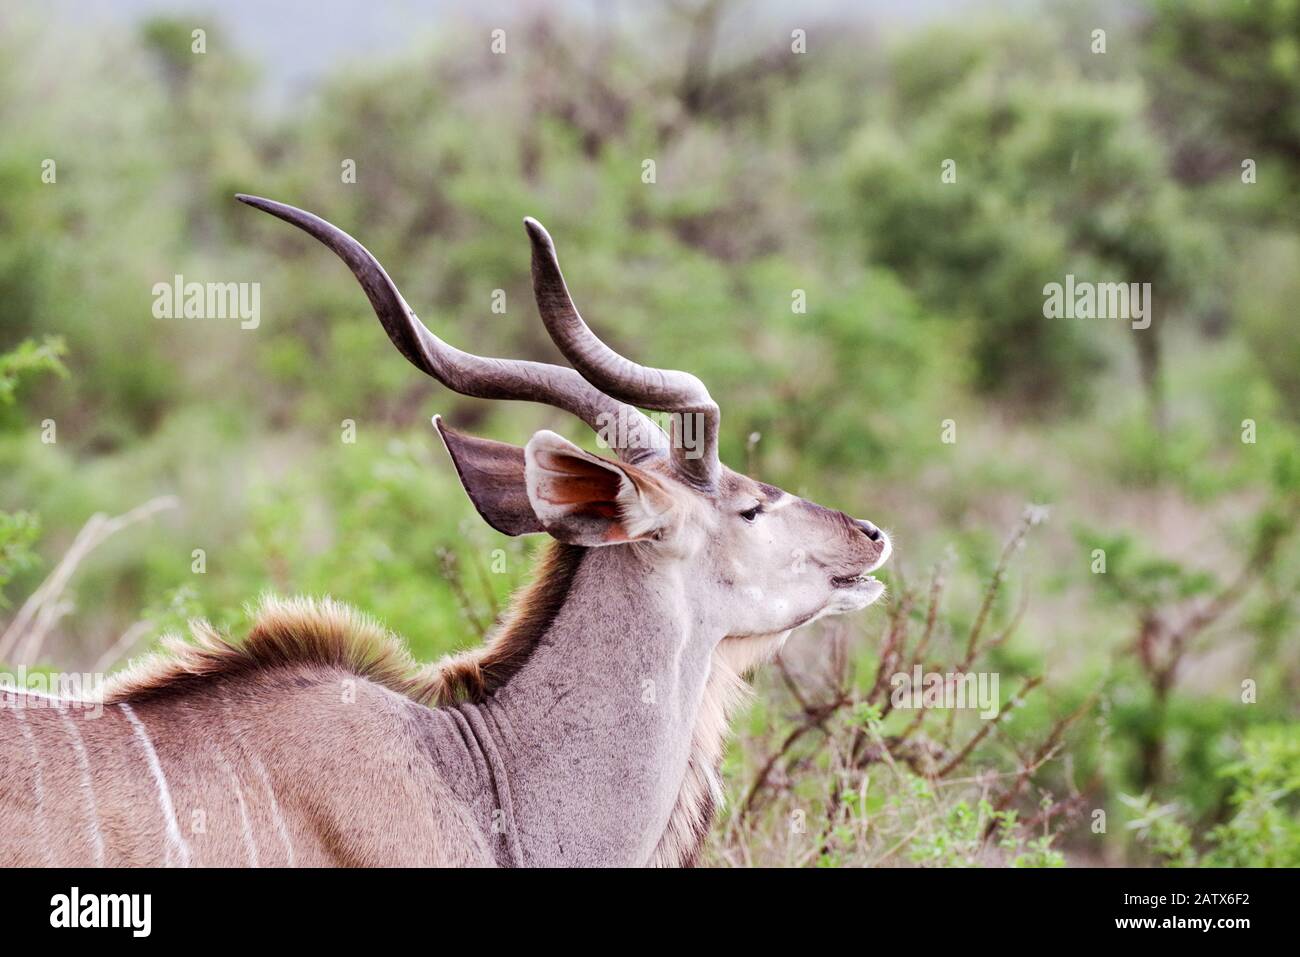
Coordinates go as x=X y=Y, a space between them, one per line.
x=586 y=731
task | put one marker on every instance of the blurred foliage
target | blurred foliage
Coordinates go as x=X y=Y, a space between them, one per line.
x=1049 y=171
x=1264 y=827
x=798 y=250
x=19 y=530
x=1225 y=77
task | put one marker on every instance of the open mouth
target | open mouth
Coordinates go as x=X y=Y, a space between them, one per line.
x=848 y=581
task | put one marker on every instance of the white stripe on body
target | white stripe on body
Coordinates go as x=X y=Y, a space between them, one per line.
x=250 y=844
x=83 y=762
x=39 y=780
x=230 y=723
x=275 y=810
x=175 y=841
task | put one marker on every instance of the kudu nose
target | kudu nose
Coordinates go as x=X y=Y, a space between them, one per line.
x=867 y=529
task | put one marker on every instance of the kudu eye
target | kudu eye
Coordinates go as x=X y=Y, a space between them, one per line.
x=751 y=513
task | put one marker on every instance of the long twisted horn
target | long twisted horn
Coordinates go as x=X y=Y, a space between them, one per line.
x=695 y=414
x=464 y=372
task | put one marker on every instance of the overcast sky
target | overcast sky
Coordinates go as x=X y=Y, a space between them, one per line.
x=296 y=41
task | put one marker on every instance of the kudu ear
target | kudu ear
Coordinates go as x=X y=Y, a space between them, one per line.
x=583 y=499
x=493 y=476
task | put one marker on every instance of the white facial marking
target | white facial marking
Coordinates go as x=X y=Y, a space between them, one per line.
x=87 y=787
x=175 y=840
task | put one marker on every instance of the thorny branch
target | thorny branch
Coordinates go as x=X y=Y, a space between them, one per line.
x=936 y=759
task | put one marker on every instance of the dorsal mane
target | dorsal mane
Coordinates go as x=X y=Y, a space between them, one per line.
x=290 y=633
x=306 y=633
x=474 y=674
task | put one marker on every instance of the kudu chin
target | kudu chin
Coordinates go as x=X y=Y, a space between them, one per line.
x=587 y=730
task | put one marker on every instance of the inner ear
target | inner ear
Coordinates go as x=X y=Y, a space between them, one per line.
x=579 y=483
x=584 y=499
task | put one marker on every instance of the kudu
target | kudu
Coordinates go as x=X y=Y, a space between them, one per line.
x=586 y=731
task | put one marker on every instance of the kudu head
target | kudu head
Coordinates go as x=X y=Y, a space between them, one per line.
x=758 y=561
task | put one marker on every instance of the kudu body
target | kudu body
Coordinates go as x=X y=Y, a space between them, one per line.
x=586 y=731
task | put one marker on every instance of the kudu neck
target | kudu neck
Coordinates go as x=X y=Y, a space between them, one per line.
x=592 y=734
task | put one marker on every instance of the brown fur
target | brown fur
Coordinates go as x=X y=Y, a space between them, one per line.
x=337 y=772
x=474 y=674
x=286 y=634
x=302 y=632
